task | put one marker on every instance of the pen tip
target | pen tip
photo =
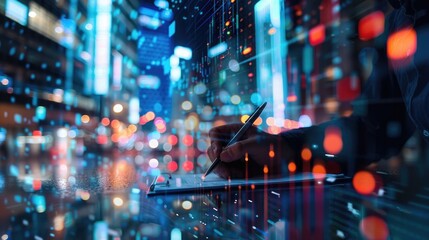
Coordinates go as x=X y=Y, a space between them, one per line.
x=203 y=177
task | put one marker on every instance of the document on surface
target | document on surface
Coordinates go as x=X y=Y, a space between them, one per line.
x=170 y=184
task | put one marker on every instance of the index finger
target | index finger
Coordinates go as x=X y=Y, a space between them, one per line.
x=224 y=133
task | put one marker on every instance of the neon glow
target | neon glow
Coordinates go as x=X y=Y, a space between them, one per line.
x=316 y=35
x=217 y=49
x=271 y=74
x=402 y=44
x=17 y=11
x=117 y=70
x=183 y=52
x=134 y=110
x=103 y=27
x=371 y=26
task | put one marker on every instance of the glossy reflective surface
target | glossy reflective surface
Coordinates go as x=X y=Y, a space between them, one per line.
x=73 y=201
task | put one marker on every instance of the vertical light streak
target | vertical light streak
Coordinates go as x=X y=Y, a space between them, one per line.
x=271 y=74
x=117 y=70
x=102 y=51
x=265 y=198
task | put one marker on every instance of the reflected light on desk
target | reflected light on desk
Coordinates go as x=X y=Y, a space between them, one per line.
x=319 y=171
x=374 y=228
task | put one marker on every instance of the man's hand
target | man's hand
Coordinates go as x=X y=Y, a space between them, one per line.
x=248 y=157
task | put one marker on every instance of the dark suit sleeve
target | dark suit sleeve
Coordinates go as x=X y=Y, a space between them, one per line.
x=377 y=129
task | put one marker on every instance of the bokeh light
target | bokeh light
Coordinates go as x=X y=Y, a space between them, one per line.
x=188 y=140
x=187 y=205
x=105 y=121
x=316 y=35
x=153 y=163
x=306 y=154
x=374 y=228
x=319 y=171
x=85 y=119
x=186 y=105
x=188 y=166
x=244 y=118
x=402 y=44
x=371 y=26
x=333 y=142
x=364 y=182
x=117 y=201
x=117 y=108
x=291 y=167
x=172 y=166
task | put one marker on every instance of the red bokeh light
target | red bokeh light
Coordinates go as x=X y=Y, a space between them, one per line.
x=37 y=133
x=37 y=184
x=348 y=88
x=364 y=182
x=172 y=139
x=105 y=121
x=160 y=179
x=102 y=139
x=333 y=142
x=188 y=166
x=371 y=26
x=188 y=140
x=374 y=228
x=316 y=35
x=172 y=166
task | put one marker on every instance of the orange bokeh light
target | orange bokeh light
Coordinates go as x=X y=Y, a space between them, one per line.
x=374 y=228
x=333 y=142
x=115 y=124
x=265 y=169
x=371 y=26
x=402 y=44
x=247 y=50
x=364 y=182
x=291 y=167
x=306 y=154
x=292 y=98
x=258 y=121
x=115 y=137
x=150 y=116
x=319 y=171
x=85 y=118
